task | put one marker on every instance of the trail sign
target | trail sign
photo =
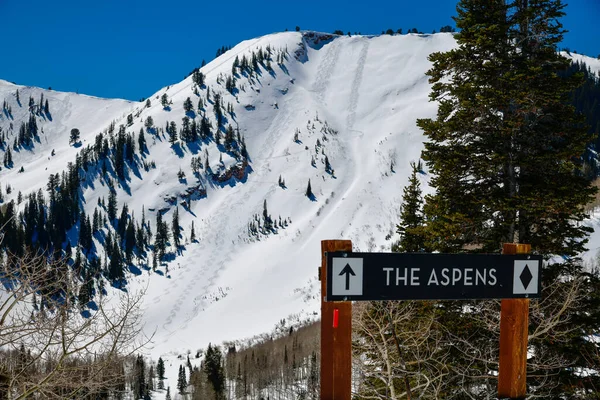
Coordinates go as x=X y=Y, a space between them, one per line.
x=424 y=276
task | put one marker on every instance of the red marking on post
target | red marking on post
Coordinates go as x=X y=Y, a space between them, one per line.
x=336 y=343
x=336 y=314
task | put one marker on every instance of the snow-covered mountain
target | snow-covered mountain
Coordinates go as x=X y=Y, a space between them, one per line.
x=349 y=101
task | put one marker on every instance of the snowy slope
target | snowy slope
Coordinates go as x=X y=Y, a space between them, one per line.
x=592 y=63
x=369 y=90
x=352 y=99
x=67 y=111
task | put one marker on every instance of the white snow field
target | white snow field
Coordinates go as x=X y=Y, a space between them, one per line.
x=358 y=96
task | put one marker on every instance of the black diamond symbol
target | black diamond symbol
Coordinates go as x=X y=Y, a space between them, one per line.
x=526 y=276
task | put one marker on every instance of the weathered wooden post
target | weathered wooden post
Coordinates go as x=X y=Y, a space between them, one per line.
x=514 y=325
x=336 y=334
x=513 y=276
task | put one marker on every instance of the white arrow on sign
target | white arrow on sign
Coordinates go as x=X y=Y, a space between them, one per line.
x=525 y=277
x=347 y=276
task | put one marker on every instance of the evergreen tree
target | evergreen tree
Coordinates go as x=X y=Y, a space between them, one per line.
x=229 y=138
x=218 y=109
x=160 y=368
x=141 y=141
x=149 y=123
x=498 y=173
x=176 y=229
x=115 y=267
x=181 y=380
x=213 y=367
x=8 y=158
x=164 y=100
x=309 y=192
x=505 y=157
x=168 y=395
x=74 y=137
x=139 y=383
x=192 y=233
x=112 y=205
x=162 y=236
x=267 y=222
x=187 y=105
x=410 y=227
x=172 y=132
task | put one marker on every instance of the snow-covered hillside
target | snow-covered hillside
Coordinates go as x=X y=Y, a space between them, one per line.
x=368 y=91
x=352 y=101
x=592 y=63
x=66 y=111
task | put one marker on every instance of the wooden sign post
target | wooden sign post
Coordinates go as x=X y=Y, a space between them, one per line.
x=345 y=276
x=336 y=334
x=514 y=327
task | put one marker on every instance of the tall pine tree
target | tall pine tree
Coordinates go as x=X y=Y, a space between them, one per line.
x=505 y=157
x=410 y=227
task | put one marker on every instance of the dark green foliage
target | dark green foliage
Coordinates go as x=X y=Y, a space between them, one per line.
x=181 y=380
x=75 y=134
x=7 y=161
x=115 y=266
x=213 y=367
x=187 y=105
x=172 y=131
x=123 y=219
x=222 y=50
x=140 y=386
x=111 y=208
x=327 y=165
x=586 y=99
x=267 y=221
x=160 y=370
x=309 y=192
x=176 y=229
x=411 y=224
x=85 y=232
x=164 y=100
x=230 y=84
x=162 y=236
x=192 y=233
x=141 y=141
x=229 y=138
x=198 y=77
x=502 y=149
x=218 y=109
x=149 y=123
x=505 y=154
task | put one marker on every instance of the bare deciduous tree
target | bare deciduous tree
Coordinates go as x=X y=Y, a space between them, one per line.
x=48 y=346
x=430 y=350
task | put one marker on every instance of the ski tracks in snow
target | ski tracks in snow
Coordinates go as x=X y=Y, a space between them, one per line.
x=325 y=70
x=348 y=148
x=354 y=90
x=202 y=277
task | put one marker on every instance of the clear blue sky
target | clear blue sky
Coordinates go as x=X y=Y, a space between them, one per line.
x=131 y=48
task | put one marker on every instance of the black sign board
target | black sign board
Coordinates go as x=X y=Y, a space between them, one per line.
x=424 y=276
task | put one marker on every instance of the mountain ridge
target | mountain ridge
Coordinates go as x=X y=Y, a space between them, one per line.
x=353 y=103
